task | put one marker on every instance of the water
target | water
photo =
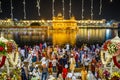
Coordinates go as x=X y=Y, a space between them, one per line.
x=61 y=37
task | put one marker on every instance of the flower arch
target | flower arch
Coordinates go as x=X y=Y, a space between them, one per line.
x=112 y=47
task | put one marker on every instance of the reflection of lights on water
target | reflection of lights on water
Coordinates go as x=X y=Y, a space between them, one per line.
x=88 y=34
x=107 y=33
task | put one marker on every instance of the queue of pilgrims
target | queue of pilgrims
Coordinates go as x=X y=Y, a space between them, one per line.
x=59 y=63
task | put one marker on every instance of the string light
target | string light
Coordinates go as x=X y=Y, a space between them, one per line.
x=24 y=9
x=70 y=9
x=82 y=15
x=53 y=10
x=0 y=7
x=92 y=9
x=100 y=7
x=11 y=9
x=38 y=6
x=63 y=8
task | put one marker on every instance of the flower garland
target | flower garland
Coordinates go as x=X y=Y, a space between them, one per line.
x=13 y=53
x=3 y=75
x=105 y=45
x=11 y=46
x=106 y=73
x=110 y=47
x=7 y=67
x=3 y=53
x=2 y=61
x=118 y=50
x=2 y=48
x=116 y=74
x=107 y=59
x=11 y=58
x=116 y=62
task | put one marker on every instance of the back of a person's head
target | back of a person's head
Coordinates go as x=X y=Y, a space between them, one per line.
x=83 y=68
x=66 y=66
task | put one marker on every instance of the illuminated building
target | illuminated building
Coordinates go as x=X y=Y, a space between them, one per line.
x=60 y=23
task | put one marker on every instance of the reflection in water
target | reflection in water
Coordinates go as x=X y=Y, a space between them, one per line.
x=91 y=36
x=59 y=37
x=63 y=37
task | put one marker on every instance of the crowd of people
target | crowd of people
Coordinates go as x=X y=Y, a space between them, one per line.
x=60 y=62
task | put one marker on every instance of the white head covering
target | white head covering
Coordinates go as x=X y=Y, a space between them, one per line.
x=66 y=66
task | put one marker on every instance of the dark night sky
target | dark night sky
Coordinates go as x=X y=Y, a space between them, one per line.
x=109 y=10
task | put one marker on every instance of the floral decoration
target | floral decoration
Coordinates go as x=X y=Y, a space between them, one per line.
x=116 y=74
x=2 y=48
x=106 y=73
x=107 y=59
x=105 y=45
x=111 y=47
x=11 y=46
x=2 y=61
x=116 y=62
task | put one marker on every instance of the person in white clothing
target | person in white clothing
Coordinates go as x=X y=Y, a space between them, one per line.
x=86 y=62
x=54 y=64
x=67 y=47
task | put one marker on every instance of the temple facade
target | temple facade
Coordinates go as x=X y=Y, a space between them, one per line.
x=60 y=23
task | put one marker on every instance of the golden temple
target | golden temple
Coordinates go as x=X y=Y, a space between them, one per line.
x=60 y=23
